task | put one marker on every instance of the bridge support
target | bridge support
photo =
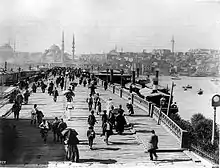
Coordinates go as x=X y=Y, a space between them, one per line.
x=120 y=92
x=152 y=110
x=185 y=139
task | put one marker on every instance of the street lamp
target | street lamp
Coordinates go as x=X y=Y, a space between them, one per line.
x=215 y=103
x=162 y=103
x=107 y=70
x=65 y=80
x=2 y=81
x=170 y=98
x=122 y=72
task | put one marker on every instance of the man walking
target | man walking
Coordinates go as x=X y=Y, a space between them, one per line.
x=153 y=145
x=90 y=102
x=33 y=114
x=62 y=126
x=120 y=121
x=55 y=129
x=55 y=94
x=16 y=109
x=91 y=119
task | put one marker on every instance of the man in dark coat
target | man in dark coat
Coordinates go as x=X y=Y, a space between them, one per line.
x=71 y=142
x=92 y=119
x=153 y=145
x=34 y=87
x=120 y=121
x=62 y=126
x=16 y=109
x=104 y=120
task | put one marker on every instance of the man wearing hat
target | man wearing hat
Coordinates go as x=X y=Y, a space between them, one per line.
x=153 y=145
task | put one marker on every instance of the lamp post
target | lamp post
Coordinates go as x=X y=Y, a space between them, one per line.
x=215 y=103
x=65 y=80
x=107 y=70
x=162 y=103
x=170 y=98
x=122 y=72
x=2 y=82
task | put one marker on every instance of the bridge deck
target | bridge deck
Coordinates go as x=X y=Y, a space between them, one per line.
x=124 y=149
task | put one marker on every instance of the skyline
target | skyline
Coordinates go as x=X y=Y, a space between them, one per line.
x=100 y=25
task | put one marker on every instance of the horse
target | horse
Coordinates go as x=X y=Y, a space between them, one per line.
x=70 y=142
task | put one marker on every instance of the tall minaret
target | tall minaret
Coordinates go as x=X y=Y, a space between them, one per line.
x=62 y=50
x=14 y=45
x=172 y=41
x=73 y=46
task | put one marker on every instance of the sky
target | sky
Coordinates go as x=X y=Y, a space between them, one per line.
x=100 y=25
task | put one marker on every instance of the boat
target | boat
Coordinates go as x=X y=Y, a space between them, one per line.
x=176 y=78
x=187 y=87
x=200 y=92
x=214 y=80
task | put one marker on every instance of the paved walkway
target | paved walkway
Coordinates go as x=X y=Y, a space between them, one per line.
x=127 y=149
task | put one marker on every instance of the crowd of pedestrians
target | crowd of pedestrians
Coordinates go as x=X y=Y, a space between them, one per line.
x=112 y=118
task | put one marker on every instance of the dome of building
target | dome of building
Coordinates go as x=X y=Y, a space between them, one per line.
x=54 y=47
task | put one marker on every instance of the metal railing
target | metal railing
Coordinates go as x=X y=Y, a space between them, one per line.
x=141 y=101
x=169 y=123
x=205 y=154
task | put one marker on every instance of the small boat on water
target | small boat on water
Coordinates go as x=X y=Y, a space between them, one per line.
x=200 y=92
x=215 y=80
x=175 y=77
x=187 y=87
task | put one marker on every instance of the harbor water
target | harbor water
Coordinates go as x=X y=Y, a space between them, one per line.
x=189 y=102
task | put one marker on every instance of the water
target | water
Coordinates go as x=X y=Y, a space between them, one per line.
x=189 y=102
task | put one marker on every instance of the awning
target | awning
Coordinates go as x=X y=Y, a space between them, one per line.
x=146 y=92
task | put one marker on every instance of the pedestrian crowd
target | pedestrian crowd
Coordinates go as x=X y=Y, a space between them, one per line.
x=112 y=117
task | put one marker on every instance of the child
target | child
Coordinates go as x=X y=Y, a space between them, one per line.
x=91 y=136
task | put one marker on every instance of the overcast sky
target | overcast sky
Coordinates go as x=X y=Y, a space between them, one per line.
x=99 y=25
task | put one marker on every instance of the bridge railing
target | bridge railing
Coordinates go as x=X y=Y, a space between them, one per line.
x=153 y=111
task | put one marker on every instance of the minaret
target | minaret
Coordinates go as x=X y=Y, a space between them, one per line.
x=62 y=50
x=73 y=47
x=14 y=46
x=172 y=41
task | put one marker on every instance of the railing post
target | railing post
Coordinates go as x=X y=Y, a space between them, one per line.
x=185 y=139
x=158 y=121
x=149 y=108
x=120 y=92
x=152 y=110
x=132 y=98
x=113 y=88
x=130 y=89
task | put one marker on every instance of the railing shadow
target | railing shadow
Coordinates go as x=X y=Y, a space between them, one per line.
x=107 y=148
x=123 y=143
x=143 y=131
x=136 y=115
x=103 y=161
